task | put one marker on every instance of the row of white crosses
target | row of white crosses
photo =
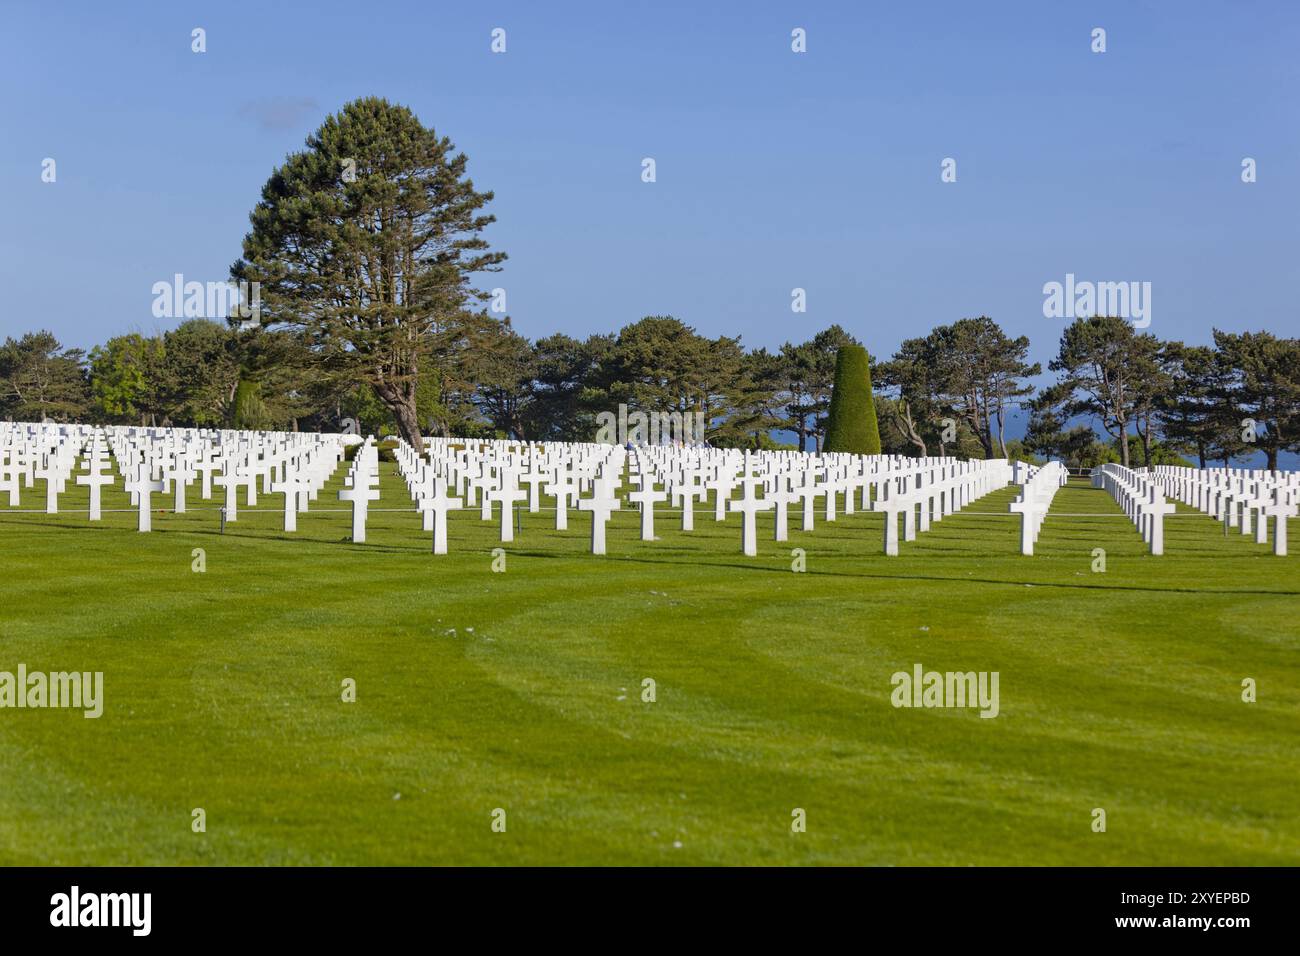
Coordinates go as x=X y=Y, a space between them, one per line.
x=97 y=475
x=502 y=475
x=361 y=483
x=921 y=490
x=142 y=474
x=1241 y=498
x=153 y=461
x=1038 y=486
x=932 y=491
x=510 y=477
x=300 y=476
x=1142 y=499
x=31 y=453
x=430 y=492
x=157 y=460
x=50 y=452
x=58 y=458
x=46 y=451
x=18 y=459
x=506 y=476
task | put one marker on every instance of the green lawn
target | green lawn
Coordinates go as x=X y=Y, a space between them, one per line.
x=521 y=690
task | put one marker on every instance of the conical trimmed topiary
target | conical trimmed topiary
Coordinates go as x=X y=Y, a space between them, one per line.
x=851 y=425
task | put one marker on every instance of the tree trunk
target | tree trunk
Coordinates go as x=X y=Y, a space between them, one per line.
x=908 y=424
x=408 y=425
x=401 y=402
x=983 y=431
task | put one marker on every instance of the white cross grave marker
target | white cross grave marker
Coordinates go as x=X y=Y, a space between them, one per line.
x=438 y=505
x=601 y=504
x=361 y=494
x=95 y=479
x=144 y=488
x=750 y=507
x=646 y=498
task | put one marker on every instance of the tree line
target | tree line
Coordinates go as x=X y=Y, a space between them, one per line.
x=485 y=381
x=367 y=248
x=1156 y=402
x=951 y=392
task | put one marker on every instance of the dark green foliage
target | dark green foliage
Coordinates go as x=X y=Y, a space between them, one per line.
x=383 y=449
x=249 y=409
x=946 y=393
x=1261 y=383
x=805 y=374
x=366 y=243
x=41 y=379
x=851 y=426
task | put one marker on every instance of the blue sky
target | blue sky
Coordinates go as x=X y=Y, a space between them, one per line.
x=775 y=170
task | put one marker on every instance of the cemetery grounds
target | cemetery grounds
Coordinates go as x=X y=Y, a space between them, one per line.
x=522 y=689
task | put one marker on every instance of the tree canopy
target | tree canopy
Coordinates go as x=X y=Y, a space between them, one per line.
x=366 y=243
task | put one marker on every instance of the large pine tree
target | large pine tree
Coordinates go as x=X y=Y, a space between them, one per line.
x=366 y=243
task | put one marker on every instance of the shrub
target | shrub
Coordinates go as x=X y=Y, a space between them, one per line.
x=851 y=425
x=385 y=449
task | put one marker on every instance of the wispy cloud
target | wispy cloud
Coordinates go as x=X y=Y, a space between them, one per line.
x=275 y=113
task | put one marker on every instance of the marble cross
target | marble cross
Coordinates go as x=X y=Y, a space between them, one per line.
x=807 y=492
x=181 y=475
x=1279 y=509
x=601 y=504
x=291 y=487
x=535 y=478
x=50 y=473
x=206 y=466
x=781 y=497
x=360 y=494
x=1029 y=509
x=485 y=484
x=750 y=506
x=562 y=489
x=9 y=482
x=95 y=479
x=721 y=487
x=437 y=506
x=891 y=503
x=685 y=492
x=144 y=488
x=230 y=480
x=508 y=494
x=646 y=498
